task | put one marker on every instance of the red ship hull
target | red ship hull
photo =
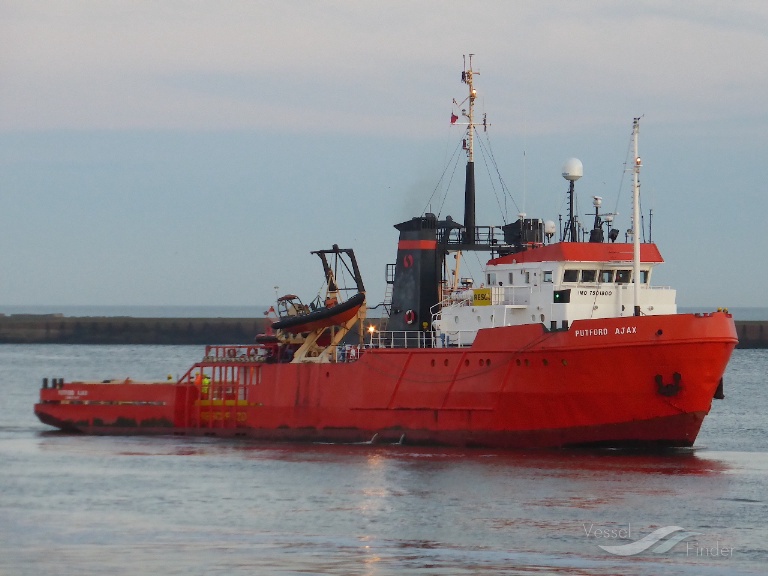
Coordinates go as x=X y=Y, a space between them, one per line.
x=635 y=381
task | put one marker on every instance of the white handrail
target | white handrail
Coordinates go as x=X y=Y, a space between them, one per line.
x=414 y=339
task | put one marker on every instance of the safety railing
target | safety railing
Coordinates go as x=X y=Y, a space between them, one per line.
x=401 y=339
x=455 y=339
x=413 y=339
x=347 y=353
x=238 y=353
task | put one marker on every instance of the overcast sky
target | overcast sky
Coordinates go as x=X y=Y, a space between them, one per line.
x=195 y=152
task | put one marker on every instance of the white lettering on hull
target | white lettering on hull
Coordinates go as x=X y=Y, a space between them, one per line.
x=604 y=331
x=592 y=332
x=626 y=330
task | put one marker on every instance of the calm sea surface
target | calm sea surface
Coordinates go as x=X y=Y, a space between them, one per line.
x=80 y=505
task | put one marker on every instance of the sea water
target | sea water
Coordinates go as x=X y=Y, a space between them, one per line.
x=81 y=505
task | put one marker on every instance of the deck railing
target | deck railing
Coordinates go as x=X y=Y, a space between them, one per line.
x=413 y=339
x=401 y=339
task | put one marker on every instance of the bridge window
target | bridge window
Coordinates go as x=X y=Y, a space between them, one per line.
x=571 y=276
x=623 y=276
x=547 y=275
x=644 y=276
x=588 y=275
x=606 y=276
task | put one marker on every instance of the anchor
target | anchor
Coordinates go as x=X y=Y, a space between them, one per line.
x=719 y=394
x=669 y=389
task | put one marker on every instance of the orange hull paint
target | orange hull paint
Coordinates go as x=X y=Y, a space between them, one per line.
x=644 y=380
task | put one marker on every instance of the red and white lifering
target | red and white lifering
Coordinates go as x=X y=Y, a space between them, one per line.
x=410 y=317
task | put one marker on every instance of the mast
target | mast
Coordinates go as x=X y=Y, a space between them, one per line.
x=573 y=169
x=469 y=185
x=468 y=236
x=571 y=214
x=636 y=215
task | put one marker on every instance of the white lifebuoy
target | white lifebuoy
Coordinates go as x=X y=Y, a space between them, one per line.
x=410 y=317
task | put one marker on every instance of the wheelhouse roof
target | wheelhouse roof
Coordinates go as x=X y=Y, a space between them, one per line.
x=581 y=252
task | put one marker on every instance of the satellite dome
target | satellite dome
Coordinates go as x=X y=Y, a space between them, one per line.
x=573 y=169
x=549 y=228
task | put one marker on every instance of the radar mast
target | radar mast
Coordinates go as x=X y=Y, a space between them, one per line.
x=469 y=145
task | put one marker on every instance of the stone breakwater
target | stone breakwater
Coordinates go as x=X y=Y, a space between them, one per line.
x=752 y=333
x=57 y=329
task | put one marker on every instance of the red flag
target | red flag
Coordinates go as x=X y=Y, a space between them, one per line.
x=453 y=118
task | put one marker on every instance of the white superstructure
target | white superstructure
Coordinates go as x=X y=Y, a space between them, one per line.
x=554 y=285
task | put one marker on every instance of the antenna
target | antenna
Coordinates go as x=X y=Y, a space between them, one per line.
x=525 y=163
x=636 y=215
x=650 y=225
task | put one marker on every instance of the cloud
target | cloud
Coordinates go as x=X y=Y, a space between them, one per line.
x=357 y=67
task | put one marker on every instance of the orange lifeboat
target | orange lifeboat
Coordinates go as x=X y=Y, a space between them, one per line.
x=309 y=321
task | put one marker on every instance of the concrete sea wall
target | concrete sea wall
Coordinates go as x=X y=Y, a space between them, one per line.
x=752 y=333
x=55 y=329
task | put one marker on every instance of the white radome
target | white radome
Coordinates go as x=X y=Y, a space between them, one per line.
x=573 y=169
